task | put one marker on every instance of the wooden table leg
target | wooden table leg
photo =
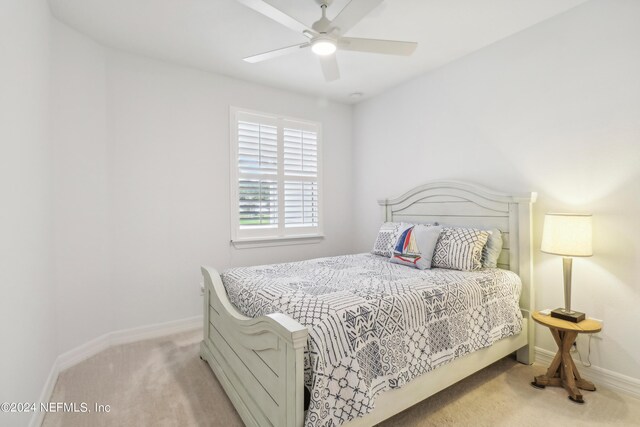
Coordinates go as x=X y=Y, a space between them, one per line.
x=563 y=372
x=581 y=383
x=567 y=373
x=552 y=377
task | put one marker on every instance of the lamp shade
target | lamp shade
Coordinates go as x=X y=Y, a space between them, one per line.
x=567 y=234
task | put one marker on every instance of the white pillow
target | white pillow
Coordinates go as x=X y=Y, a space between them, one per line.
x=415 y=246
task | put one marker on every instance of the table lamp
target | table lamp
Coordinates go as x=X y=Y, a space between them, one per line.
x=567 y=235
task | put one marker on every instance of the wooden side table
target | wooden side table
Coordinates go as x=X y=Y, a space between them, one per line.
x=563 y=372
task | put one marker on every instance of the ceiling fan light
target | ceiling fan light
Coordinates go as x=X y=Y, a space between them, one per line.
x=323 y=46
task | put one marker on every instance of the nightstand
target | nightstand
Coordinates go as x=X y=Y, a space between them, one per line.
x=563 y=372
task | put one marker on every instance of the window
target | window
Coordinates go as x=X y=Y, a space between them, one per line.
x=275 y=178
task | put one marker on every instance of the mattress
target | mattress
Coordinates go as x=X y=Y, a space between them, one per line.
x=373 y=325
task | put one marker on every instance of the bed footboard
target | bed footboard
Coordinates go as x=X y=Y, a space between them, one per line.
x=259 y=362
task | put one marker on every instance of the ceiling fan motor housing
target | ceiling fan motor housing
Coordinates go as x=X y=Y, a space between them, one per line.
x=322 y=25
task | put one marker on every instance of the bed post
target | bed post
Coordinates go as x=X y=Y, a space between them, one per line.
x=526 y=354
x=386 y=213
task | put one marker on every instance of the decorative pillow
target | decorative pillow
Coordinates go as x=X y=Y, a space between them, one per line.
x=460 y=248
x=415 y=246
x=387 y=237
x=492 y=249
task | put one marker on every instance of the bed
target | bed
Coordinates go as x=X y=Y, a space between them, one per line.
x=263 y=360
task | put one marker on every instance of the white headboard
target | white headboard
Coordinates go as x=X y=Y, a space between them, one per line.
x=469 y=205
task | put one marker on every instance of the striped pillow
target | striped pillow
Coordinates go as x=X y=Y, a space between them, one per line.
x=387 y=237
x=460 y=248
x=492 y=249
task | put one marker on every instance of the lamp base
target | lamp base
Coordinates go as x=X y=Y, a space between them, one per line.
x=570 y=316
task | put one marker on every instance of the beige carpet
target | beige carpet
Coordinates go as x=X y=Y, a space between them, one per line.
x=163 y=382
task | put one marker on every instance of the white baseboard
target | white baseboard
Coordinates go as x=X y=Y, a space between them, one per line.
x=600 y=376
x=82 y=352
x=154 y=331
x=96 y=345
x=45 y=396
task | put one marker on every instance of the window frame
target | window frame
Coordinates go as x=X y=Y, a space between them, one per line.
x=280 y=235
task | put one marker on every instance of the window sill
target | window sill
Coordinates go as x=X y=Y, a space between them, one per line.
x=263 y=242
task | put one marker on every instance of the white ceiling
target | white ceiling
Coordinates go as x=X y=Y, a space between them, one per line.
x=215 y=35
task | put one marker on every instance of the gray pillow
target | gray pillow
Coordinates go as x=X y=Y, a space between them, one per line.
x=492 y=249
x=460 y=248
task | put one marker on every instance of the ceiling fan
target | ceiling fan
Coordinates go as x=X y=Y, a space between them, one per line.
x=326 y=36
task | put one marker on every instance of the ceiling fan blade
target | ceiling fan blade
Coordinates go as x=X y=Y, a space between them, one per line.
x=353 y=13
x=387 y=47
x=275 y=53
x=276 y=14
x=329 y=65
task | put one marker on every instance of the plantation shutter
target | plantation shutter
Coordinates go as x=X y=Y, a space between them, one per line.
x=301 y=177
x=257 y=177
x=300 y=152
x=257 y=148
x=275 y=177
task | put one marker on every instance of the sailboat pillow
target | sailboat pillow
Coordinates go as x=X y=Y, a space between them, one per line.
x=415 y=246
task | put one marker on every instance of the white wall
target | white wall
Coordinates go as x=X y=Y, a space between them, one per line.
x=115 y=189
x=170 y=153
x=27 y=307
x=82 y=232
x=553 y=109
x=142 y=184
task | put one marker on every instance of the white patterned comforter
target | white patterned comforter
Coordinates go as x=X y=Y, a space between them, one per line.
x=374 y=325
